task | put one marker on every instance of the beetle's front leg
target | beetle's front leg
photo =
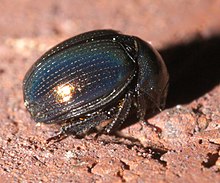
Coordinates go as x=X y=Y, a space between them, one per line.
x=123 y=110
x=141 y=103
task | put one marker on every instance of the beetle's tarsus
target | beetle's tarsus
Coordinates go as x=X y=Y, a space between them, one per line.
x=57 y=138
x=153 y=127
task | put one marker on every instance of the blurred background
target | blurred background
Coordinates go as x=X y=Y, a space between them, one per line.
x=161 y=22
x=186 y=33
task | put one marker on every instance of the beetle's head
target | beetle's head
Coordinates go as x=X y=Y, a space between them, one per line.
x=153 y=75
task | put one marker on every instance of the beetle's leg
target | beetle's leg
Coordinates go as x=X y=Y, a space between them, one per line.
x=141 y=104
x=123 y=111
x=141 y=109
x=153 y=127
x=81 y=127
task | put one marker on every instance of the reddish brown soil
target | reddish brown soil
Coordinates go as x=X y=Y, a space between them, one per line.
x=187 y=33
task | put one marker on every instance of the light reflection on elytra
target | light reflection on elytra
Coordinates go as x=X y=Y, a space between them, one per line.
x=63 y=93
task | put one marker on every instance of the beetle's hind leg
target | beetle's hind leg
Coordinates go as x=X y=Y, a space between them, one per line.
x=83 y=126
x=79 y=127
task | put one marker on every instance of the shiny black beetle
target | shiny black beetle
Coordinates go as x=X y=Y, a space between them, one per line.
x=95 y=78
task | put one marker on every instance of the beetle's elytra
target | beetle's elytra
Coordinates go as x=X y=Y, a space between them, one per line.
x=94 y=77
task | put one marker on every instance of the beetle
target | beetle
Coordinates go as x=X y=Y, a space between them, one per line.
x=94 y=79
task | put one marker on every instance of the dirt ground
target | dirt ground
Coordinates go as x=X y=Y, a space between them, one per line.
x=187 y=34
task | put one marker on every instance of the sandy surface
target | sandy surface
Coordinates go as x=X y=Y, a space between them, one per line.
x=187 y=33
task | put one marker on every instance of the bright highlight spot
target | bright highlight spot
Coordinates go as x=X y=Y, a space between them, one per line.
x=64 y=92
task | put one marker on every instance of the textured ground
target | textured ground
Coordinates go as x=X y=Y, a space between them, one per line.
x=187 y=33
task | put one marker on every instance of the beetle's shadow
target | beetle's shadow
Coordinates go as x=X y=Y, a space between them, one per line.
x=194 y=69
